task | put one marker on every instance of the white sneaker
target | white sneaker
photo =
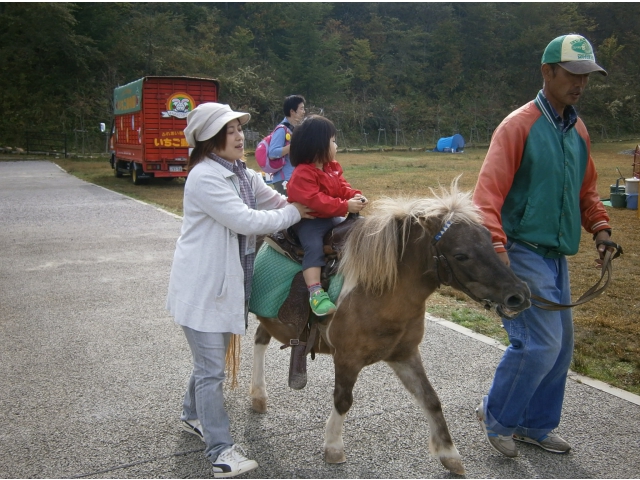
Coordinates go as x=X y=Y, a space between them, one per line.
x=503 y=444
x=233 y=462
x=551 y=442
x=193 y=426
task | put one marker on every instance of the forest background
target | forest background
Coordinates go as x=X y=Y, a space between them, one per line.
x=417 y=70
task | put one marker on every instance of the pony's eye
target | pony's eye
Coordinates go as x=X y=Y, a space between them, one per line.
x=461 y=257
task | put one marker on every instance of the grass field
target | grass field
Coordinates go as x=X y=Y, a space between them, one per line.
x=607 y=329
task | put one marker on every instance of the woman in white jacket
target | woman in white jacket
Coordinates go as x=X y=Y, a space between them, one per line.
x=225 y=206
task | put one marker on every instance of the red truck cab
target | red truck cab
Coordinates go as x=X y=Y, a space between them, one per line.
x=150 y=114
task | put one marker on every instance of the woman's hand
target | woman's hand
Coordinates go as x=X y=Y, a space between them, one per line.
x=304 y=211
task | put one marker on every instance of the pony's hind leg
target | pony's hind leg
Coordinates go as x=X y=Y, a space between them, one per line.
x=411 y=373
x=345 y=378
x=258 y=389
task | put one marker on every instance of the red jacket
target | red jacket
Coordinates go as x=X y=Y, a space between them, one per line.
x=325 y=191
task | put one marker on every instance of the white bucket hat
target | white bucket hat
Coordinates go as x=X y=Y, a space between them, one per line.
x=207 y=119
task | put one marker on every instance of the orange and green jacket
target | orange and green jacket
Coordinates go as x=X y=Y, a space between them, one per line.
x=537 y=184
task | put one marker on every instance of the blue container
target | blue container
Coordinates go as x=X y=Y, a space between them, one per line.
x=632 y=201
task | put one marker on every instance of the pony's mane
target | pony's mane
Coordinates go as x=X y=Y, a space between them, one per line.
x=373 y=249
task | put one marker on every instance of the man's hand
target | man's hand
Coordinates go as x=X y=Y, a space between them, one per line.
x=504 y=257
x=602 y=235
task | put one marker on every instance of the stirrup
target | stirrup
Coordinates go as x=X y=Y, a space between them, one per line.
x=298 y=367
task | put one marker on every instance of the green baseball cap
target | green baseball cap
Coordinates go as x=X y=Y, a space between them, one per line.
x=574 y=53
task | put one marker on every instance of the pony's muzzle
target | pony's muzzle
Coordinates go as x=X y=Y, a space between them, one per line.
x=517 y=302
x=512 y=306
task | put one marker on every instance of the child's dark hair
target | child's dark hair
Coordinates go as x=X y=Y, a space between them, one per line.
x=310 y=141
x=292 y=102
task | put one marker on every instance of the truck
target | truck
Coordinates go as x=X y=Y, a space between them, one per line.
x=150 y=114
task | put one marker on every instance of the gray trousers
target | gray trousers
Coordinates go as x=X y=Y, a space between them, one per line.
x=204 y=398
x=311 y=234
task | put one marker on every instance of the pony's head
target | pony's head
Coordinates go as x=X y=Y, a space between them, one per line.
x=376 y=245
x=446 y=233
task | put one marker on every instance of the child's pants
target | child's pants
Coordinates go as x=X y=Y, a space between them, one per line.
x=311 y=234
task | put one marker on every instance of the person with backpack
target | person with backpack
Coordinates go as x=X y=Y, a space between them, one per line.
x=294 y=112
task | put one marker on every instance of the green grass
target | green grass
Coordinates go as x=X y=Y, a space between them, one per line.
x=488 y=325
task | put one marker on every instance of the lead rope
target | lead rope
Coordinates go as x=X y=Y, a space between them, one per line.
x=594 y=291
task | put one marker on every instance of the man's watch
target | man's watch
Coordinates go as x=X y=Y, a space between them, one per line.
x=608 y=230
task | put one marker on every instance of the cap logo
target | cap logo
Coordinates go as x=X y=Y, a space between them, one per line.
x=583 y=49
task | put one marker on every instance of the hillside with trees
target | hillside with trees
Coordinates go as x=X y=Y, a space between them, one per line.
x=418 y=69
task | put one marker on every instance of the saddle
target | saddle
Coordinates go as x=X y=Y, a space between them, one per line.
x=296 y=310
x=287 y=243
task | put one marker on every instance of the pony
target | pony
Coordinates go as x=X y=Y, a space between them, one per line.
x=393 y=260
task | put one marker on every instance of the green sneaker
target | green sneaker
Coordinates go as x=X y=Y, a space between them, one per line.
x=320 y=303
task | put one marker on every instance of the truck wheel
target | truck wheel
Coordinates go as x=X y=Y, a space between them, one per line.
x=116 y=172
x=135 y=174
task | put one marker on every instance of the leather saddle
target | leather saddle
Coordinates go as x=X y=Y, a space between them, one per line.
x=286 y=242
x=296 y=310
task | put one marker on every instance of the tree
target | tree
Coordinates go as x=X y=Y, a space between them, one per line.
x=361 y=58
x=42 y=58
x=440 y=65
x=312 y=63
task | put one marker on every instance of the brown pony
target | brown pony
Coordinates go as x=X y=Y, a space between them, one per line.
x=392 y=261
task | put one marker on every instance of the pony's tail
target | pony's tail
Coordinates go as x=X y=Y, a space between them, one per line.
x=232 y=359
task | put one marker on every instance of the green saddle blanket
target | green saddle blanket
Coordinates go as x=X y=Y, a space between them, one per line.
x=272 y=277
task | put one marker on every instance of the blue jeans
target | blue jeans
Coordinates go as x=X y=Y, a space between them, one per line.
x=204 y=398
x=528 y=387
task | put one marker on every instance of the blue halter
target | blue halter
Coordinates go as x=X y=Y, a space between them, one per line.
x=440 y=259
x=439 y=235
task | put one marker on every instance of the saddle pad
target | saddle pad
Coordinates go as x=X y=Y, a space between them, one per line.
x=272 y=277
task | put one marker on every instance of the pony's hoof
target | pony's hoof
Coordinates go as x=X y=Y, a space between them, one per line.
x=454 y=465
x=259 y=405
x=333 y=455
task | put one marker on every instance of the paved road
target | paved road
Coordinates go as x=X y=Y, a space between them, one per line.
x=92 y=369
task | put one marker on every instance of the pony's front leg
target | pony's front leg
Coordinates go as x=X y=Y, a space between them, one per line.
x=411 y=373
x=345 y=379
x=258 y=389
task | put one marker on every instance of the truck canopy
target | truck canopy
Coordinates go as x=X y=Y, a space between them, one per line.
x=128 y=98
